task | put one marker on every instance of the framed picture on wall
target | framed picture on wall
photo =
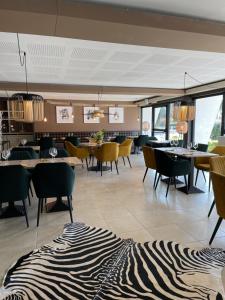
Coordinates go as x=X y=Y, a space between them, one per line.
x=116 y=115
x=64 y=114
x=88 y=110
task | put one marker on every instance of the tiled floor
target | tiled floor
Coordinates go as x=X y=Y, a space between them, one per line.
x=123 y=204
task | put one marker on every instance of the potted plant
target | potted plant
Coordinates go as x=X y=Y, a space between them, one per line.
x=99 y=136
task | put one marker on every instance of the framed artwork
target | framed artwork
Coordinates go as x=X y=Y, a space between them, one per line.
x=87 y=115
x=116 y=115
x=64 y=114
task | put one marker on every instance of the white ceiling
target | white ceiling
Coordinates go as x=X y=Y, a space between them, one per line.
x=203 y=9
x=77 y=62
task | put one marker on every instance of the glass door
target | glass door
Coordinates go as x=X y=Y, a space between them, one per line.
x=160 y=122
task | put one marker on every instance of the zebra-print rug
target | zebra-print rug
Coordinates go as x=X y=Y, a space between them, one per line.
x=93 y=263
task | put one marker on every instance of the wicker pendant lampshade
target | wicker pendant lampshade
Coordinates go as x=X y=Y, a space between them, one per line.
x=145 y=126
x=184 y=112
x=27 y=107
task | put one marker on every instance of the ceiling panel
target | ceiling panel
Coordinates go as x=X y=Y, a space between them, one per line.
x=70 y=61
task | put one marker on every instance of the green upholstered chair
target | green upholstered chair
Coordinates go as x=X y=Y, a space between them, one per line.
x=33 y=154
x=45 y=143
x=119 y=139
x=23 y=155
x=19 y=155
x=171 y=168
x=74 y=140
x=60 y=153
x=140 y=141
x=14 y=186
x=53 y=180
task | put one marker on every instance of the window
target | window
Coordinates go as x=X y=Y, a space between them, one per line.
x=208 y=120
x=160 y=122
x=146 y=120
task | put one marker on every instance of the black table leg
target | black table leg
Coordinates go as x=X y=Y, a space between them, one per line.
x=58 y=205
x=98 y=168
x=191 y=188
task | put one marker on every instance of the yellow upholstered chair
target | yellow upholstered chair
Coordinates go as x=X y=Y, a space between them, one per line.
x=218 y=181
x=125 y=150
x=217 y=165
x=202 y=163
x=150 y=162
x=79 y=152
x=108 y=152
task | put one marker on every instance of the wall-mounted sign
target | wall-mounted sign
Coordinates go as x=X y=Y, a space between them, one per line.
x=64 y=114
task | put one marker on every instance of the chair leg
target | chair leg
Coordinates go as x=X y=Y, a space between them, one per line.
x=146 y=171
x=157 y=182
x=31 y=191
x=174 y=178
x=70 y=208
x=211 y=208
x=28 y=196
x=82 y=162
x=168 y=185
x=155 y=177
x=116 y=163
x=86 y=162
x=124 y=161
x=40 y=201
x=203 y=175
x=209 y=182
x=111 y=165
x=25 y=212
x=215 y=230
x=196 y=178
x=128 y=158
x=101 y=167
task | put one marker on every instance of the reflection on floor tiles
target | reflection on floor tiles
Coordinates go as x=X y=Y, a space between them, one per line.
x=123 y=204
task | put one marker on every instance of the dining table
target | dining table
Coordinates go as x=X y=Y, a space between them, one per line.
x=190 y=155
x=13 y=210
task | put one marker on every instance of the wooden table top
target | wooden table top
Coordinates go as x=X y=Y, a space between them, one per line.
x=185 y=152
x=31 y=163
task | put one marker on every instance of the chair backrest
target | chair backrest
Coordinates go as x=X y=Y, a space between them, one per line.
x=149 y=157
x=218 y=182
x=220 y=150
x=163 y=162
x=109 y=151
x=217 y=164
x=119 y=139
x=152 y=138
x=60 y=153
x=53 y=180
x=70 y=148
x=28 y=149
x=14 y=183
x=127 y=143
x=46 y=143
x=141 y=140
x=74 y=140
x=20 y=155
x=202 y=147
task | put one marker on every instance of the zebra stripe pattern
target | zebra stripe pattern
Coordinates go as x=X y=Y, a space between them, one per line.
x=93 y=263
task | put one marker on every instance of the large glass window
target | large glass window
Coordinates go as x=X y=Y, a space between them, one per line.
x=208 y=120
x=172 y=124
x=147 y=120
x=160 y=122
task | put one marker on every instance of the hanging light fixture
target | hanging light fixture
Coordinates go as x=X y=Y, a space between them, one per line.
x=26 y=107
x=100 y=113
x=184 y=110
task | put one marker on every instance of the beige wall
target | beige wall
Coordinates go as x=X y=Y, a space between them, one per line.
x=130 y=121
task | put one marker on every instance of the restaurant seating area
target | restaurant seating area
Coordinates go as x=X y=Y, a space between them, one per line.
x=112 y=150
